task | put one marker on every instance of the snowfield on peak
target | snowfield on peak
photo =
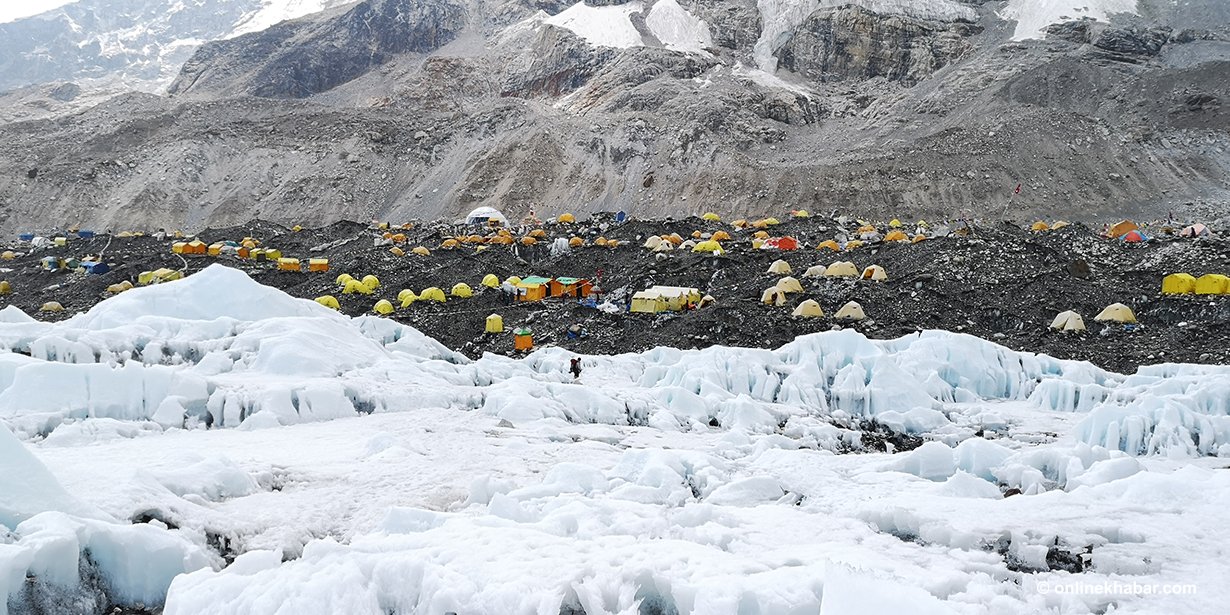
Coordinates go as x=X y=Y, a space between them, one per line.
x=215 y=445
x=1033 y=16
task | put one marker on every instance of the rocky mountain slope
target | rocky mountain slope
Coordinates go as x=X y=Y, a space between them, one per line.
x=398 y=109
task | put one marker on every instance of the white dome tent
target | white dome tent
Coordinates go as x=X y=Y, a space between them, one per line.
x=482 y=214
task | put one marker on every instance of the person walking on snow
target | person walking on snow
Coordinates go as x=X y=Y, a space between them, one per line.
x=575 y=368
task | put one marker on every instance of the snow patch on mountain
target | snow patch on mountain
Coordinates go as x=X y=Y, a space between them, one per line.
x=678 y=29
x=602 y=26
x=1033 y=16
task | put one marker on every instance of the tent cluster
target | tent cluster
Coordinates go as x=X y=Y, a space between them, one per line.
x=1114 y=313
x=810 y=308
x=657 y=299
x=1042 y=226
x=537 y=288
x=249 y=248
x=1187 y=284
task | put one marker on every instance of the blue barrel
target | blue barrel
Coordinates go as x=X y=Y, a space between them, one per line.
x=85 y=234
x=26 y=236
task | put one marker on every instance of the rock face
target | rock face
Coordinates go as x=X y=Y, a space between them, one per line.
x=854 y=43
x=300 y=58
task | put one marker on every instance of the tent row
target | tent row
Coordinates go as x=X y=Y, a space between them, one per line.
x=836 y=269
x=657 y=299
x=810 y=308
x=1114 y=313
x=1187 y=284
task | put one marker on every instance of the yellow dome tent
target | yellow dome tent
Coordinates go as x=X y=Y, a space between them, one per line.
x=513 y=279
x=1068 y=321
x=329 y=301
x=919 y=237
x=461 y=290
x=566 y=219
x=850 y=311
x=789 y=285
x=841 y=269
x=808 y=309
x=115 y=289
x=396 y=251
x=1121 y=228
x=721 y=236
x=851 y=245
x=761 y=235
x=896 y=236
x=6 y=288
x=600 y=242
x=773 y=296
x=829 y=245
x=1178 y=284
x=876 y=273
x=894 y=223
x=528 y=241
x=538 y=234
x=696 y=234
x=355 y=287
x=711 y=217
x=801 y=213
x=779 y=266
x=1059 y=224
x=490 y=281
x=1212 y=284
x=8 y=255
x=762 y=223
x=421 y=251
x=495 y=324
x=403 y=294
x=866 y=228
x=383 y=307
x=740 y=223
x=1039 y=226
x=708 y=245
x=575 y=242
x=370 y=282
x=674 y=238
x=1116 y=312
x=342 y=279
x=51 y=306
x=771 y=221
x=447 y=244
x=433 y=294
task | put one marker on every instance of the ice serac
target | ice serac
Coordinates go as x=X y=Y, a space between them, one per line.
x=27 y=488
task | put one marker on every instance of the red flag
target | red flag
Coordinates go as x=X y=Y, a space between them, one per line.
x=1018 y=189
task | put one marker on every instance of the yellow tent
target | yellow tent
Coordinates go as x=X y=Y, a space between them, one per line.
x=6 y=288
x=896 y=236
x=771 y=221
x=761 y=234
x=648 y=302
x=396 y=251
x=514 y=280
x=271 y=254
x=841 y=269
x=894 y=223
x=773 y=296
x=538 y=234
x=495 y=324
x=158 y=276
x=51 y=306
x=1116 y=312
x=114 y=289
x=370 y=282
x=461 y=290
x=1178 y=284
x=721 y=236
x=674 y=238
x=342 y=279
x=566 y=219
x=383 y=307
x=1039 y=226
x=779 y=266
x=296 y=228
x=709 y=245
x=829 y=245
x=490 y=281
x=808 y=309
x=433 y=294
x=760 y=224
x=575 y=242
x=850 y=311
x=1068 y=321
x=329 y=301
x=355 y=287
x=1058 y=225
x=711 y=217
x=801 y=213
x=696 y=234
x=8 y=255
x=866 y=228
x=789 y=285
x=1212 y=284
x=919 y=237
x=404 y=294
x=740 y=223
x=528 y=241
x=421 y=251
x=318 y=264
x=875 y=272
x=815 y=271
x=288 y=264
x=850 y=245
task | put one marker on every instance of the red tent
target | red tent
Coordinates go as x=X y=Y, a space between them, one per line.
x=781 y=243
x=1134 y=237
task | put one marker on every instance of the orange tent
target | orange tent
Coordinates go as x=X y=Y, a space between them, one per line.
x=829 y=244
x=720 y=236
x=1121 y=228
x=896 y=236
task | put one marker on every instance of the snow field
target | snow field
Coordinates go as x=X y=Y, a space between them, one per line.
x=356 y=465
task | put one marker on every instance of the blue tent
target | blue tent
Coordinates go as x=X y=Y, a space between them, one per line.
x=97 y=268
